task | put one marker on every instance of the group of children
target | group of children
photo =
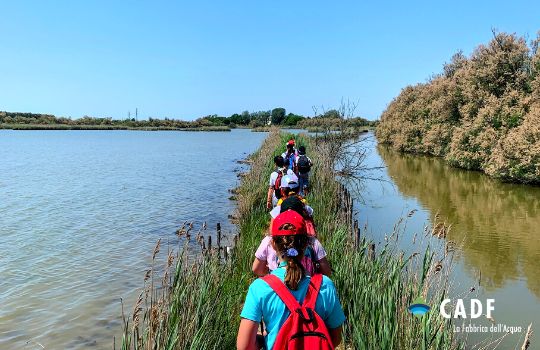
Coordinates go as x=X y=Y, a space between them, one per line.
x=294 y=298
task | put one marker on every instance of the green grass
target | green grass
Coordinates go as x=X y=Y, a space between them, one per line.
x=198 y=306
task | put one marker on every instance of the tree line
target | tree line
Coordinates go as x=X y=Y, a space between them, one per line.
x=277 y=116
x=481 y=112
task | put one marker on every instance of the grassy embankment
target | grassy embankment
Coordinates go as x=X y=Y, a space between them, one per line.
x=200 y=304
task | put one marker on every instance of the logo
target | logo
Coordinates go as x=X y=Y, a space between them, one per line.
x=419 y=308
x=475 y=310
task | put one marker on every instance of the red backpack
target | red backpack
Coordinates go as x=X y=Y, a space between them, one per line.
x=277 y=184
x=304 y=328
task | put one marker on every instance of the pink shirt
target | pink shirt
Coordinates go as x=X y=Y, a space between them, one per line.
x=266 y=253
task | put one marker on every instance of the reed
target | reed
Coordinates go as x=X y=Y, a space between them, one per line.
x=195 y=302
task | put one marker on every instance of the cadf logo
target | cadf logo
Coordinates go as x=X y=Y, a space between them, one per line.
x=419 y=308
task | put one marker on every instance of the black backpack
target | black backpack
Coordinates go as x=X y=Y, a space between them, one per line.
x=303 y=164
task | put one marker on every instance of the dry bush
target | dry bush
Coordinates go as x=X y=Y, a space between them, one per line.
x=481 y=113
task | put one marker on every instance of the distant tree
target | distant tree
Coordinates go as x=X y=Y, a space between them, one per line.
x=235 y=118
x=217 y=120
x=278 y=115
x=292 y=119
x=332 y=113
x=263 y=117
x=203 y=122
x=256 y=123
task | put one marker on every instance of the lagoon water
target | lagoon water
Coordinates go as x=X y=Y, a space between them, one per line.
x=495 y=226
x=80 y=212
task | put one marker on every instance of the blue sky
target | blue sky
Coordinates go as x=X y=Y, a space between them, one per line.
x=189 y=59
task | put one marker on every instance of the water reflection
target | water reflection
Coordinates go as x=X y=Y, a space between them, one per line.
x=497 y=224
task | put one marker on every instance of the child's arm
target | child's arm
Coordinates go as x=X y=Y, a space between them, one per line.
x=247 y=335
x=260 y=268
x=269 y=197
x=335 y=334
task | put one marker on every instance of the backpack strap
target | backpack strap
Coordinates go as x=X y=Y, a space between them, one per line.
x=283 y=292
x=313 y=291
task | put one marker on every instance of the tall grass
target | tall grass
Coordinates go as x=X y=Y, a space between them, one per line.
x=195 y=303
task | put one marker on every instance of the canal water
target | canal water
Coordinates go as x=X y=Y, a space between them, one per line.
x=495 y=227
x=80 y=212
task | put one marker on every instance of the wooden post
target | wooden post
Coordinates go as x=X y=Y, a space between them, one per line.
x=355 y=228
x=219 y=239
x=209 y=243
x=371 y=252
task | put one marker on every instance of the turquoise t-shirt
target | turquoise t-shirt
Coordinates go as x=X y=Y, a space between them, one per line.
x=263 y=302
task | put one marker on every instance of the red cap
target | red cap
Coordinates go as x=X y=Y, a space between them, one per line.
x=292 y=218
x=291 y=142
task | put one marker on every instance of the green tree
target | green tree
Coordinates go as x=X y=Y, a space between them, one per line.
x=333 y=113
x=278 y=115
x=292 y=119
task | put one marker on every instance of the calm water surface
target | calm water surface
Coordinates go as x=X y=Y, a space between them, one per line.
x=496 y=225
x=80 y=212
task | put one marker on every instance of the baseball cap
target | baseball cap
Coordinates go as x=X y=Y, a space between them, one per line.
x=290 y=181
x=291 y=218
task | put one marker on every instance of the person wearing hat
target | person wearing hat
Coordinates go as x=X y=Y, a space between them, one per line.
x=292 y=143
x=289 y=187
x=315 y=260
x=290 y=156
x=289 y=240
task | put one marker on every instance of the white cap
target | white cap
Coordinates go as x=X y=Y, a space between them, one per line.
x=290 y=181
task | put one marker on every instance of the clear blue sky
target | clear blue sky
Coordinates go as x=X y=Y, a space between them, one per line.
x=189 y=59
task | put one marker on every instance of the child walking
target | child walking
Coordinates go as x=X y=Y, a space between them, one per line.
x=316 y=318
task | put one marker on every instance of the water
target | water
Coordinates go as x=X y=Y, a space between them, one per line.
x=80 y=212
x=496 y=225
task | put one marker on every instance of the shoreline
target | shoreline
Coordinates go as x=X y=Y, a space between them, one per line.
x=33 y=127
x=458 y=167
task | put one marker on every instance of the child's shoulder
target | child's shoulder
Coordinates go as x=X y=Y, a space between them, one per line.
x=327 y=284
x=260 y=288
x=266 y=239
